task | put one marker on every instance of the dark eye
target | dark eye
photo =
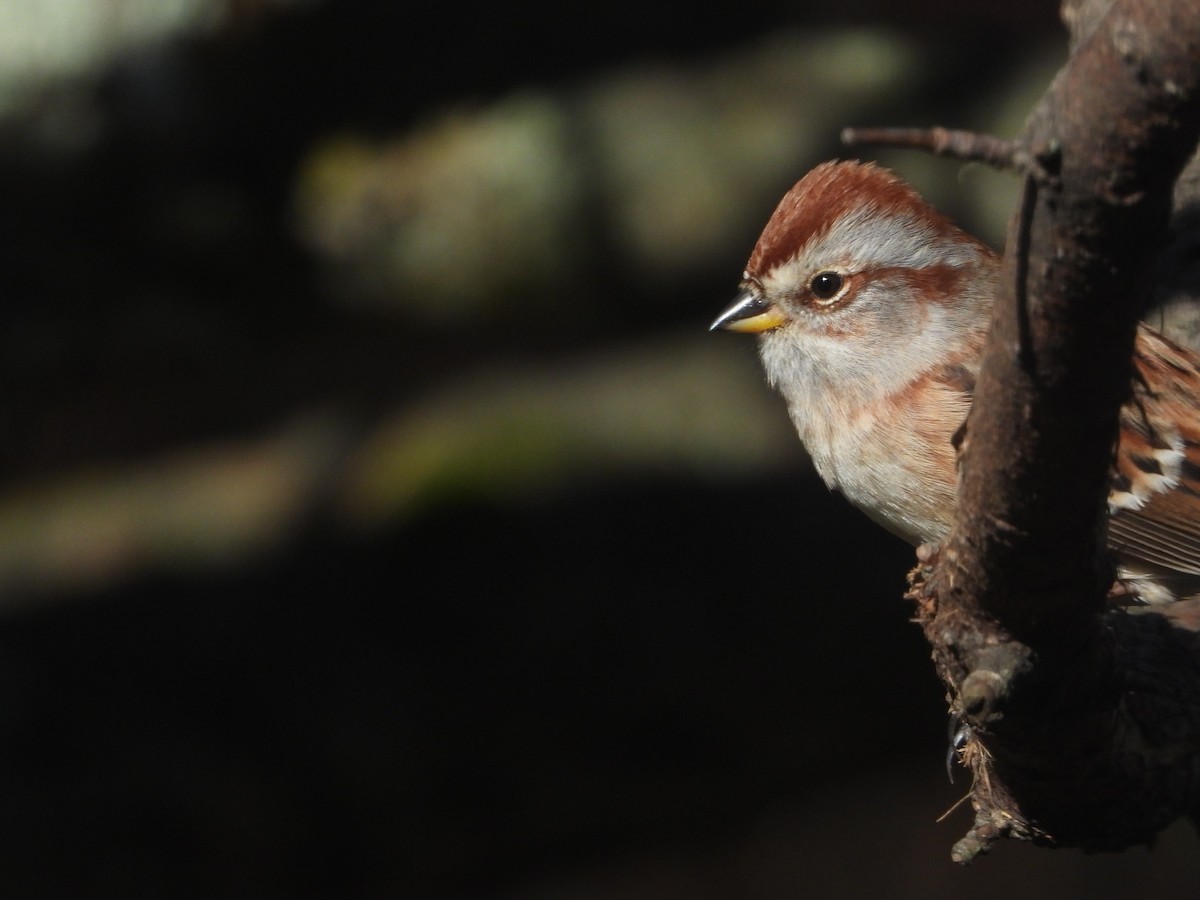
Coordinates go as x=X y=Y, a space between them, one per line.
x=826 y=285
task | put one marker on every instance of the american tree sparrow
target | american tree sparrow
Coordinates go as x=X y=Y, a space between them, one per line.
x=872 y=308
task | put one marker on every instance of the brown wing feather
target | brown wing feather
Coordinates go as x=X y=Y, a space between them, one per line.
x=1155 y=498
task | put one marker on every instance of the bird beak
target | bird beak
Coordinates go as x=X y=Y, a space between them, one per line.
x=749 y=313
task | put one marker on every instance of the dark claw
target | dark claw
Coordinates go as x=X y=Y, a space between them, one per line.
x=959 y=733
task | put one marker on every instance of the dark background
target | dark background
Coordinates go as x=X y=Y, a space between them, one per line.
x=246 y=652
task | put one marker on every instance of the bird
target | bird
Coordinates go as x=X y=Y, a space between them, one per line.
x=871 y=310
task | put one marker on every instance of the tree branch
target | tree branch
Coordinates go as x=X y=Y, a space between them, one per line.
x=966 y=145
x=1085 y=724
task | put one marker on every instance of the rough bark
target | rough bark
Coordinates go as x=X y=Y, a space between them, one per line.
x=1083 y=722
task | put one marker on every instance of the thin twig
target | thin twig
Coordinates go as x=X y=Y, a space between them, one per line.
x=966 y=145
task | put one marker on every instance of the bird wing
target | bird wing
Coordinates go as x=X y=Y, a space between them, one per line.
x=1155 y=497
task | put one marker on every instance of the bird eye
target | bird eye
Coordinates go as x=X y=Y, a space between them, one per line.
x=826 y=285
